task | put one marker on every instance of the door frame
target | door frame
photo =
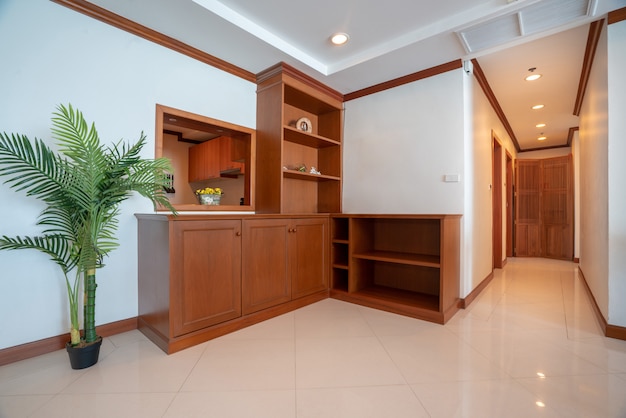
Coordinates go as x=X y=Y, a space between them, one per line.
x=496 y=201
x=510 y=212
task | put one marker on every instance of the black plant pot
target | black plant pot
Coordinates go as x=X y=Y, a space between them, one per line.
x=83 y=357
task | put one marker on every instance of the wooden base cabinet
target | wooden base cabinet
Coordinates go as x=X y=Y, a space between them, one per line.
x=202 y=276
x=285 y=259
x=408 y=264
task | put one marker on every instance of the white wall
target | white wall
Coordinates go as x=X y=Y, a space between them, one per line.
x=478 y=245
x=617 y=172
x=398 y=145
x=593 y=138
x=55 y=56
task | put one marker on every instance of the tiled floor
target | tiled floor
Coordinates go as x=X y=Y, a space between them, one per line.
x=528 y=346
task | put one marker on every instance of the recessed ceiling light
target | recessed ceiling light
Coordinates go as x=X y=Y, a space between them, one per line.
x=339 y=38
x=533 y=77
x=539 y=106
x=541 y=138
x=540 y=125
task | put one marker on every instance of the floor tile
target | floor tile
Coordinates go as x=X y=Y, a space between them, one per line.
x=244 y=365
x=360 y=402
x=529 y=345
x=234 y=404
x=342 y=362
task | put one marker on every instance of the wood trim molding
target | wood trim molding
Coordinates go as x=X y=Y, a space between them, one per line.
x=465 y=302
x=570 y=135
x=545 y=148
x=103 y=15
x=611 y=331
x=484 y=84
x=48 y=345
x=617 y=15
x=595 y=29
x=283 y=68
x=429 y=72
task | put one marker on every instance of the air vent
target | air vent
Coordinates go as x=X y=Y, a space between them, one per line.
x=538 y=17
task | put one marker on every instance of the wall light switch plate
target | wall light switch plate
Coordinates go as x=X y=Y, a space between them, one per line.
x=452 y=178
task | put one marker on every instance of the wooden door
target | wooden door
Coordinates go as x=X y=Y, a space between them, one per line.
x=557 y=212
x=308 y=256
x=206 y=274
x=528 y=208
x=265 y=276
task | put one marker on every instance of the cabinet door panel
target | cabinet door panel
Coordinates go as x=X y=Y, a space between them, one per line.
x=309 y=256
x=265 y=279
x=206 y=274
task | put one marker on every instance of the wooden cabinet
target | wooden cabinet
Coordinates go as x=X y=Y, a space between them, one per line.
x=206 y=259
x=284 y=96
x=404 y=264
x=232 y=157
x=284 y=259
x=219 y=157
x=204 y=161
x=202 y=276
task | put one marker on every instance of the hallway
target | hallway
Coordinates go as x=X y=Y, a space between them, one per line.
x=528 y=346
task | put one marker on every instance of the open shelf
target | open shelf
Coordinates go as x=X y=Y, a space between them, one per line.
x=297 y=136
x=401 y=258
x=407 y=264
x=299 y=175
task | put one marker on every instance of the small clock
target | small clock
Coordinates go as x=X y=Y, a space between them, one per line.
x=304 y=124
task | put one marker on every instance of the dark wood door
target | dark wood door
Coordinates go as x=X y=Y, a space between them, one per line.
x=557 y=214
x=528 y=208
x=308 y=256
x=265 y=277
x=544 y=224
x=206 y=268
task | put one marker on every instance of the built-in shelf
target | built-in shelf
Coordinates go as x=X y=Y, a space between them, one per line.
x=408 y=264
x=307 y=139
x=402 y=258
x=299 y=175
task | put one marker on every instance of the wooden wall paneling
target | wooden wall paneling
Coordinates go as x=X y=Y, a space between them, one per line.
x=557 y=208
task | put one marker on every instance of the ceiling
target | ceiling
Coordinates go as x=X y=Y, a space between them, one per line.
x=394 y=38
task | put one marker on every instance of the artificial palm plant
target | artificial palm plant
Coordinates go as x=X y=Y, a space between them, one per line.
x=82 y=186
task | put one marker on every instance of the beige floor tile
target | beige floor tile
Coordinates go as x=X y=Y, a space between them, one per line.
x=234 y=404
x=360 y=402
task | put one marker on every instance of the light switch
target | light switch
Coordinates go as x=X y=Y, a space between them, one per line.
x=452 y=178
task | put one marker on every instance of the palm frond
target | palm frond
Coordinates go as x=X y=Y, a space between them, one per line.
x=55 y=246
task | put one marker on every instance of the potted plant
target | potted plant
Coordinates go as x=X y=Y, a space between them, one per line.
x=82 y=186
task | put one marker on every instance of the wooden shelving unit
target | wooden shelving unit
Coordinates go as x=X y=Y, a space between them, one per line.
x=408 y=264
x=285 y=95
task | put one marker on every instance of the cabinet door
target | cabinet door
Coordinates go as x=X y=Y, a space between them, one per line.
x=204 y=161
x=206 y=274
x=229 y=157
x=309 y=253
x=265 y=276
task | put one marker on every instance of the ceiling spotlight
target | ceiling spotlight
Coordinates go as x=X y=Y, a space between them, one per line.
x=541 y=138
x=540 y=125
x=339 y=38
x=539 y=106
x=532 y=77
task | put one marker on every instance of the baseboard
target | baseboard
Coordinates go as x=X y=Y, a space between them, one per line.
x=611 y=331
x=48 y=345
x=477 y=290
x=576 y=260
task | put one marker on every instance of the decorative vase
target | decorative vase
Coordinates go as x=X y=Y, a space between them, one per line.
x=83 y=357
x=210 y=199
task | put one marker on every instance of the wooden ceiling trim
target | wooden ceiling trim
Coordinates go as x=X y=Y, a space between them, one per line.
x=544 y=148
x=617 y=15
x=595 y=29
x=570 y=135
x=484 y=84
x=284 y=68
x=127 y=25
x=429 y=72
